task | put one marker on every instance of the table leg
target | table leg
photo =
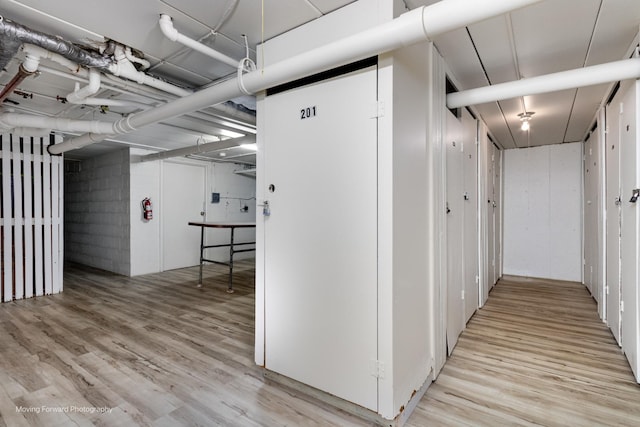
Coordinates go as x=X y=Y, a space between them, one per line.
x=230 y=288
x=201 y=256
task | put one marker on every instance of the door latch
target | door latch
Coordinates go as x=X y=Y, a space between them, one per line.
x=266 y=210
x=634 y=195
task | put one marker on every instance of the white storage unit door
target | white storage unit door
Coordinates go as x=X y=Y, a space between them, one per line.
x=470 y=235
x=32 y=242
x=321 y=235
x=455 y=224
x=613 y=219
x=629 y=232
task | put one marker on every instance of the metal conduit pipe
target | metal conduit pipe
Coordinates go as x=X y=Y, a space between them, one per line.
x=166 y=25
x=15 y=81
x=14 y=120
x=409 y=28
x=571 y=79
x=201 y=148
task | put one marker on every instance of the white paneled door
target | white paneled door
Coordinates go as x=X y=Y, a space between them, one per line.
x=630 y=228
x=613 y=219
x=470 y=235
x=321 y=235
x=455 y=223
x=182 y=200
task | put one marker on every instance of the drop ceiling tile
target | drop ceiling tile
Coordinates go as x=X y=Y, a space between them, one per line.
x=491 y=38
x=461 y=59
x=588 y=100
x=553 y=36
x=615 y=31
x=327 y=6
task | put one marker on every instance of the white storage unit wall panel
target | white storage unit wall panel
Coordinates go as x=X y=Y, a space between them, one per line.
x=32 y=212
x=343 y=297
x=542 y=211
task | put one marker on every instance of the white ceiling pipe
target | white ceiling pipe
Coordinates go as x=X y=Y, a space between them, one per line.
x=13 y=120
x=125 y=68
x=78 y=95
x=571 y=79
x=131 y=57
x=229 y=117
x=110 y=102
x=36 y=51
x=407 y=29
x=166 y=25
x=200 y=148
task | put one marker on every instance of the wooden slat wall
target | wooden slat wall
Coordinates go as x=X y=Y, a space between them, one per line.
x=32 y=191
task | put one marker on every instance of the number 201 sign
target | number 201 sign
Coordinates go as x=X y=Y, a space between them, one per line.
x=307 y=113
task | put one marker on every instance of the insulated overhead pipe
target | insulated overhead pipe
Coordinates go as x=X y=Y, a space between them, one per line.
x=16 y=32
x=412 y=27
x=571 y=79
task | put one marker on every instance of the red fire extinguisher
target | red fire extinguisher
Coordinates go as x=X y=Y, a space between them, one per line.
x=147 y=209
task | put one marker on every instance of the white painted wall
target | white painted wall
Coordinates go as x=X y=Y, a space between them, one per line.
x=145 y=235
x=103 y=218
x=542 y=212
x=97 y=213
x=235 y=191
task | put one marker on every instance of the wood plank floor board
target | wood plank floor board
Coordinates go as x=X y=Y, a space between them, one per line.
x=158 y=351
x=536 y=354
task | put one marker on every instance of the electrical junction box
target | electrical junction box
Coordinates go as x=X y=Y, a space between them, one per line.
x=215 y=197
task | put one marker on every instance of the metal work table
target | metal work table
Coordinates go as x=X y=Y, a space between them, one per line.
x=232 y=226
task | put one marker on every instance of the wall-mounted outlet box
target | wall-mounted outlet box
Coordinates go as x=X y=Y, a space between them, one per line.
x=215 y=197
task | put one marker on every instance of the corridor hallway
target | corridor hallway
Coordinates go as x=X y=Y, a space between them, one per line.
x=156 y=350
x=536 y=354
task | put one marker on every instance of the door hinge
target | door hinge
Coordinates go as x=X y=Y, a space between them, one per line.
x=606 y=290
x=377 y=368
x=463 y=294
x=477 y=279
x=621 y=306
x=377 y=110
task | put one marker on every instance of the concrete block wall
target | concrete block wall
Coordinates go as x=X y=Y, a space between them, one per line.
x=97 y=210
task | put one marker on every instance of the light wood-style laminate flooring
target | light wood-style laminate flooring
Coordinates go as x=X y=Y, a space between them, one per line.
x=155 y=350
x=536 y=354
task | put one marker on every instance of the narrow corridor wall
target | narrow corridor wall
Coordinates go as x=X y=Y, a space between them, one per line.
x=542 y=212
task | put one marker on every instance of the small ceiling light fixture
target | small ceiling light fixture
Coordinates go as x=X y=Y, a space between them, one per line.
x=524 y=118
